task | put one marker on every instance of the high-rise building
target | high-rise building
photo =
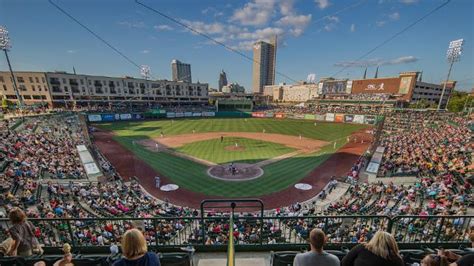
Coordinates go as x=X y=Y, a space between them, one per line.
x=264 y=63
x=222 y=80
x=181 y=71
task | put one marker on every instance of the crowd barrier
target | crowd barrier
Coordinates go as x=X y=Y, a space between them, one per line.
x=263 y=233
x=328 y=117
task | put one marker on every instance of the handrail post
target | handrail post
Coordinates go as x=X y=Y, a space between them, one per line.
x=390 y=224
x=156 y=232
x=73 y=242
x=439 y=230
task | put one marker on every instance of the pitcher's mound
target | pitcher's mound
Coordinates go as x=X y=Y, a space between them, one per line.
x=234 y=148
x=240 y=172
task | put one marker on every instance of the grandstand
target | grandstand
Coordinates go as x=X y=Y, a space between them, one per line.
x=45 y=173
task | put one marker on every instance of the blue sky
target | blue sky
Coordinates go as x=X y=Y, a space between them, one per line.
x=316 y=36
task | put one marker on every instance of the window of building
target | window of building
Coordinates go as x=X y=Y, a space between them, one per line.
x=4 y=87
x=11 y=97
x=45 y=88
x=43 y=97
x=64 y=81
x=36 y=97
x=20 y=79
x=66 y=89
x=1 y=79
x=82 y=82
x=39 y=88
x=90 y=82
x=26 y=97
x=22 y=87
x=43 y=80
x=33 y=88
x=37 y=80
x=31 y=79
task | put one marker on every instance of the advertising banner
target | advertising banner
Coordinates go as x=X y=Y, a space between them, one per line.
x=370 y=119
x=339 y=118
x=298 y=116
x=334 y=87
x=258 y=114
x=349 y=118
x=320 y=117
x=117 y=117
x=208 y=114
x=179 y=115
x=330 y=117
x=359 y=119
x=125 y=116
x=94 y=118
x=269 y=115
x=188 y=114
x=197 y=114
x=405 y=83
x=171 y=115
x=108 y=117
x=309 y=117
x=279 y=115
x=137 y=116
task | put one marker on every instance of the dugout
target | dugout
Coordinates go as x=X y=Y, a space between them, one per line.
x=234 y=105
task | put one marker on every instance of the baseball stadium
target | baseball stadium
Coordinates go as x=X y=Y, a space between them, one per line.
x=101 y=168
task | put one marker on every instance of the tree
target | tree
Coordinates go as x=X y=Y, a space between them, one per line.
x=458 y=101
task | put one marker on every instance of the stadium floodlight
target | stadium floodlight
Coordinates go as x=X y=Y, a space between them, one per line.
x=311 y=78
x=5 y=45
x=452 y=55
x=145 y=71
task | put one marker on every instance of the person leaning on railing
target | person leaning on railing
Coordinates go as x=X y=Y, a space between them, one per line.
x=22 y=232
x=382 y=249
x=135 y=251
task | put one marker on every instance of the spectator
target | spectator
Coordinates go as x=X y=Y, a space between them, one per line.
x=434 y=260
x=22 y=233
x=135 y=251
x=317 y=256
x=380 y=250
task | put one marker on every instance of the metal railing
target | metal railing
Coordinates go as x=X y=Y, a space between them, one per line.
x=251 y=232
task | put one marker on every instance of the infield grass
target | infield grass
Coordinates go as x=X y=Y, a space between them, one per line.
x=191 y=175
x=246 y=151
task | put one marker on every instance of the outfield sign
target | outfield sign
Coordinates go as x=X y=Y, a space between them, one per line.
x=258 y=114
x=108 y=117
x=94 y=118
x=339 y=118
x=370 y=119
x=170 y=115
x=280 y=115
x=359 y=119
x=269 y=115
x=197 y=114
x=188 y=114
x=179 y=115
x=348 y=118
x=125 y=116
x=330 y=117
x=321 y=117
x=208 y=114
x=309 y=117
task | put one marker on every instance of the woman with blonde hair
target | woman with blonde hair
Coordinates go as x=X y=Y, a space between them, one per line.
x=135 y=251
x=382 y=249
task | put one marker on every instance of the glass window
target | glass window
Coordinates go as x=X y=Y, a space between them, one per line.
x=4 y=87
x=43 y=80
x=64 y=81
x=33 y=88
x=37 y=80
x=20 y=79
x=1 y=79
x=82 y=82
x=31 y=79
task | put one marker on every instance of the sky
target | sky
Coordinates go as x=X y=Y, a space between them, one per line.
x=315 y=36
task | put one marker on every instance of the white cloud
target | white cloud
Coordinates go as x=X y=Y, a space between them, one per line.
x=212 y=11
x=377 y=62
x=132 y=24
x=211 y=28
x=353 y=27
x=256 y=13
x=322 y=4
x=71 y=51
x=163 y=27
x=380 y=23
x=286 y=7
x=394 y=16
x=295 y=20
x=409 y=2
x=146 y=51
x=331 y=23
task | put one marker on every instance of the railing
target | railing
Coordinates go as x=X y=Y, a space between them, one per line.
x=253 y=233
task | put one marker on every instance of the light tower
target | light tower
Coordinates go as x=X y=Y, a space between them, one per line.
x=452 y=55
x=5 y=45
x=145 y=71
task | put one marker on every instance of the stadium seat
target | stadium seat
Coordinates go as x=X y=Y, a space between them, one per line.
x=12 y=261
x=338 y=253
x=413 y=255
x=282 y=258
x=175 y=259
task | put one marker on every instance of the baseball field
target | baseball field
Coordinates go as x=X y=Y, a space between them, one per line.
x=182 y=150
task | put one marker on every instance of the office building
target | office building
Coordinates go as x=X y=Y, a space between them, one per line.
x=264 y=63
x=222 y=80
x=180 y=71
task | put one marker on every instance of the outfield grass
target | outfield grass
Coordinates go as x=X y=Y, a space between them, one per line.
x=192 y=176
x=306 y=128
x=214 y=150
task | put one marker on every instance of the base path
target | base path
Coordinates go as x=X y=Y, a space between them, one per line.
x=128 y=165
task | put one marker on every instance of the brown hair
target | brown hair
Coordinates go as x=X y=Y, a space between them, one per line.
x=317 y=238
x=434 y=260
x=17 y=216
x=383 y=245
x=133 y=244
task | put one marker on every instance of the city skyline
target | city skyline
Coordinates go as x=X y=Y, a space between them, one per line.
x=50 y=41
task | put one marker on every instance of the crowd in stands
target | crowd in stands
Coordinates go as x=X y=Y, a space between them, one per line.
x=436 y=149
